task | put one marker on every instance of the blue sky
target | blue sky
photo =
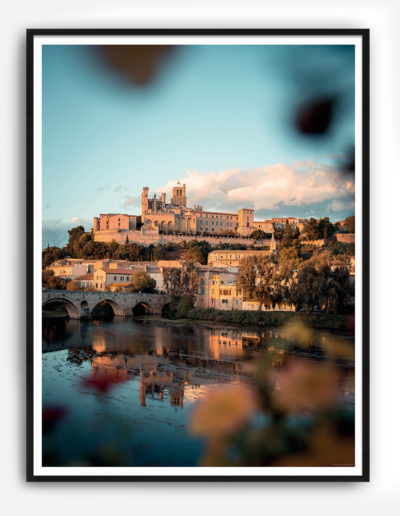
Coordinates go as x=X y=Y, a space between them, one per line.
x=216 y=117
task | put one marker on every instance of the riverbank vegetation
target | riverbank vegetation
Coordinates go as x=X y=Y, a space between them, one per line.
x=256 y=318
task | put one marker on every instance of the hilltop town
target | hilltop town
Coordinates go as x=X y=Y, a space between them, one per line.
x=221 y=255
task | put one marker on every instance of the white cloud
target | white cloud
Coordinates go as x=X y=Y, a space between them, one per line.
x=55 y=231
x=340 y=206
x=133 y=201
x=268 y=187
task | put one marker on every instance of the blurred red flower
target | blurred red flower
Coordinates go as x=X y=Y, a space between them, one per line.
x=103 y=382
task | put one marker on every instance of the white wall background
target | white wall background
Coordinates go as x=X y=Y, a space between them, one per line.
x=381 y=496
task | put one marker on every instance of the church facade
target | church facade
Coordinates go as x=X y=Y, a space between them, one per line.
x=158 y=216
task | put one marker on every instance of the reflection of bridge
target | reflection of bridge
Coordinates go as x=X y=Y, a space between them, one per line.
x=80 y=303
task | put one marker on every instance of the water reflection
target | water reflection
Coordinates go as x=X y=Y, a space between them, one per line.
x=162 y=370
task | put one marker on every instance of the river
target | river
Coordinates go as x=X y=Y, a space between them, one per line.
x=162 y=369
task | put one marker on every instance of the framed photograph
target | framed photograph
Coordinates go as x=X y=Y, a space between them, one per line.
x=197 y=209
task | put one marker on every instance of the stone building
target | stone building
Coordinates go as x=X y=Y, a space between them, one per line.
x=160 y=216
x=114 y=221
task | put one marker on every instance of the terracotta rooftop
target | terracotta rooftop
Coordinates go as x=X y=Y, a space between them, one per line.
x=85 y=277
x=117 y=271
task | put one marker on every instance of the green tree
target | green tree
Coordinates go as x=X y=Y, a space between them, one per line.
x=259 y=280
x=287 y=236
x=350 y=224
x=141 y=282
x=199 y=251
x=49 y=281
x=311 y=229
x=183 y=281
x=133 y=252
x=325 y=228
x=73 y=285
x=158 y=252
x=72 y=248
x=259 y=234
x=321 y=284
x=290 y=254
x=50 y=255
x=278 y=232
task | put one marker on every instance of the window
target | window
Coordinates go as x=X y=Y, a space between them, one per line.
x=96 y=285
x=119 y=220
x=224 y=300
x=202 y=291
x=115 y=278
x=122 y=278
x=201 y=222
x=237 y=301
x=212 y=223
x=155 y=275
x=201 y=214
x=206 y=218
x=212 y=216
x=212 y=229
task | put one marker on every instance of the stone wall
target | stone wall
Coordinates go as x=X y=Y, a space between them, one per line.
x=136 y=237
x=317 y=243
x=346 y=238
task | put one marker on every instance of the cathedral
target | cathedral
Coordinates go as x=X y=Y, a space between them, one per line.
x=159 y=216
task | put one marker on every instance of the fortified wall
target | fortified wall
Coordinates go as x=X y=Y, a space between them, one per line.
x=346 y=238
x=318 y=243
x=146 y=239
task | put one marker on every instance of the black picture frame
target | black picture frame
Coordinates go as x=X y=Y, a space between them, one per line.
x=31 y=259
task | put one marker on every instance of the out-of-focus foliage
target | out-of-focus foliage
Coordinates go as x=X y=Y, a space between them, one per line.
x=138 y=64
x=255 y=426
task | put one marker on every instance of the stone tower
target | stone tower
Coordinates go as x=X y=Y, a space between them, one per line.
x=273 y=244
x=145 y=200
x=179 y=195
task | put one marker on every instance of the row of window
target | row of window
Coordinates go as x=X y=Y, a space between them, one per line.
x=229 y=224
x=228 y=217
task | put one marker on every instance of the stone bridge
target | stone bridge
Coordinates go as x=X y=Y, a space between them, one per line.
x=80 y=304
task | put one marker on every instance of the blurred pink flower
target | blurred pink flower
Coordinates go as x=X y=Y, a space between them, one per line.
x=305 y=387
x=223 y=412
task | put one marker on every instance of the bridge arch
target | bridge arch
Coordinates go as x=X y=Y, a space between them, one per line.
x=114 y=305
x=141 y=308
x=71 y=308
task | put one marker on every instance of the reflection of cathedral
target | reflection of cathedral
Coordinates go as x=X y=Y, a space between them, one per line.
x=168 y=372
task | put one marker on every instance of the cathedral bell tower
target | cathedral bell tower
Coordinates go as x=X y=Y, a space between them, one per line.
x=179 y=195
x=145 y=200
